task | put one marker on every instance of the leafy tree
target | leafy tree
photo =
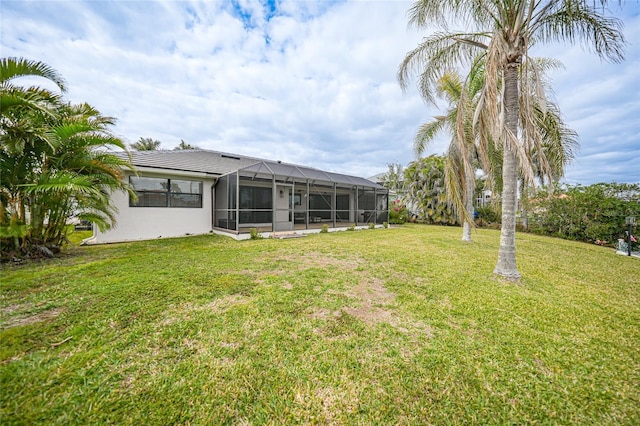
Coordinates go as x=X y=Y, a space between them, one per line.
x=146 y=144
x=426 y=194
x=184 y=145
x=393 y=180
x=53 y=164
x=501 y=32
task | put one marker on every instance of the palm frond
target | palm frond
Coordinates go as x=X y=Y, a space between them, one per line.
x=11 y=68
x=575 y=20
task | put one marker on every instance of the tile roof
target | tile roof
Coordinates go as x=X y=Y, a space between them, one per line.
x=192 y=160
x=220 y=163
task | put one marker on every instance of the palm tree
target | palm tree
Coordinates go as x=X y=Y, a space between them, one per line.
x=54 y=162
x=146 y=144
x=183 y=145
x=502 y=31
x=75 y=178
x=457 y=121
x=22 y=110
x=393 y=180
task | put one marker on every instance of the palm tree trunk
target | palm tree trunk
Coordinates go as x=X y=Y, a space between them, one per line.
x=506 y=266
x=470 y=189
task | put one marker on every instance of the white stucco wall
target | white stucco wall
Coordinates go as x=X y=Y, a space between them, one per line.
x=145 y=223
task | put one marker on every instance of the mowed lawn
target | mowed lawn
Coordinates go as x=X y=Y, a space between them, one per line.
x=389 y=326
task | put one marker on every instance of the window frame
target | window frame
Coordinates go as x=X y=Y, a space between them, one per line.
x=167 y=192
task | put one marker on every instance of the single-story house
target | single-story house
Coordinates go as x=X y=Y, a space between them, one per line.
x=199 y=191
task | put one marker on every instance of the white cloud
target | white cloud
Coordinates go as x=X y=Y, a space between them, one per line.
x=313 y=83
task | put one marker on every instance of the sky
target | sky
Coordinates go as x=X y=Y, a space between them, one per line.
x=305 y=82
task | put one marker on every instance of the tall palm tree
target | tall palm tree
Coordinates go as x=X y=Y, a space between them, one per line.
x=457 y=121
x=502 y=31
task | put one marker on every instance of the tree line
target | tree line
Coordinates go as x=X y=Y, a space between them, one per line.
x=590 y=213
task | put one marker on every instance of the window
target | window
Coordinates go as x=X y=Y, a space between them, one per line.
x=159 y=192
x=297 y=199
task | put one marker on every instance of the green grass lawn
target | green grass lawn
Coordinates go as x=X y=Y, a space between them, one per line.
x=392 y=326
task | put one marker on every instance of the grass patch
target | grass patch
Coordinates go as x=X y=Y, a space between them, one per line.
x=393 y=326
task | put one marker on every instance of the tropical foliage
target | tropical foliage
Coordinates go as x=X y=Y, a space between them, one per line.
x=393 y=180
x=183 y=145
x=398 y=213
x=54 y=163
x=146 y=144
x=461 y=154
x=426 y=195
x=594 y=213
x=500 y=33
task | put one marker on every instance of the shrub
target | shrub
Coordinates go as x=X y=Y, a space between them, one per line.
x=425 y=191
x=352 y=227
x=255 y=235
x=372 y=226
x=398 y=213
x=385 y=224
x=594 y=213
x=487 y=215
x=325 y=228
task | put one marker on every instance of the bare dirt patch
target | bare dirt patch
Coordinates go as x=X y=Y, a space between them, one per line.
x=323 y=314
x=371 y=290
x=372 y=303
x=31 y=319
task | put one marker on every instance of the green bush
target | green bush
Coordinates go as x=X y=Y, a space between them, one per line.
x=372 y=226
x=594 y=213
x=487 y=215
x=325 y=228
x=425 y=191
x=254 y=234
x=398 y=213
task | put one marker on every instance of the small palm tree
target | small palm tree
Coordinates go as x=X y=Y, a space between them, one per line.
x=22 y=110
x=183 y=145
x=146 y=144
x=502 y=31
x=76 y=177
x=54 y=162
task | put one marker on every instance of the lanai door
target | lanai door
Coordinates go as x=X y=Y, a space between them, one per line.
x=284 y=208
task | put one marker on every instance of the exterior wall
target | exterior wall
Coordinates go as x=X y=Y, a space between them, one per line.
x=144 y=223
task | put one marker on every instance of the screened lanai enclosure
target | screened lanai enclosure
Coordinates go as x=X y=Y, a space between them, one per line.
x=274 y=197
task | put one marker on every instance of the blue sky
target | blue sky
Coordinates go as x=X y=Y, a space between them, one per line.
x=307 y=82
